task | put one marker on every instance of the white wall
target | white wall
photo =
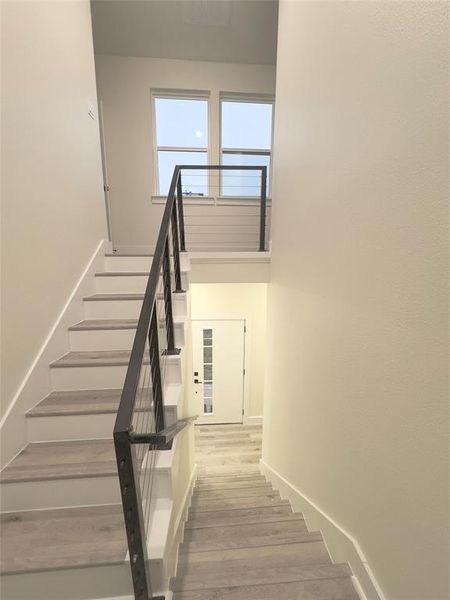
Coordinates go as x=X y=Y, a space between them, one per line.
x=124 y=86
x=357 y=302
x=52 y=198
x=239 y=301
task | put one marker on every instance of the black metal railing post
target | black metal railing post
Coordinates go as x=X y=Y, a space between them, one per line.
x=155 y=370
x=133 y=515
x=262 y=216
x=176 y=250
x=181 y=212
x=168 y=309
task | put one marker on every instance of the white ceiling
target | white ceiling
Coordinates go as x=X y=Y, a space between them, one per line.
x=239 y=31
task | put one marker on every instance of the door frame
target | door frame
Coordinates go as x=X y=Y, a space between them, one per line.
x=244 y=366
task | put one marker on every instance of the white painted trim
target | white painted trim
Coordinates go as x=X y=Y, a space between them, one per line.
x=173 y=545
x=343 y=547
x=253 y=420
x=51 y=332
x=179 y=522
x=358 y=588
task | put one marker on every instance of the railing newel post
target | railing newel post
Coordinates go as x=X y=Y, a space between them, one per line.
x=176 y=250
x=262 y=216
x=133 y=514
x=181 y=212
x=168 y=306
x=155 y=371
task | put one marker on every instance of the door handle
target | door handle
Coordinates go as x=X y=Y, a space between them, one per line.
x=197 y=381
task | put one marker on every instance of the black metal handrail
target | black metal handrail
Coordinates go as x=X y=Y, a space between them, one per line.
x=139 y=398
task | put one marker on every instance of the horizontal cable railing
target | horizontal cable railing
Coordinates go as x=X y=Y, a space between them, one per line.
x=140 y=430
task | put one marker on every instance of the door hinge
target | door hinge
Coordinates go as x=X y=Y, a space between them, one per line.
x=245 y=328
x=243 y=370
x=242 y=412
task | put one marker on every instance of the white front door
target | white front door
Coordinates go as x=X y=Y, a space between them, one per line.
x=218 y=370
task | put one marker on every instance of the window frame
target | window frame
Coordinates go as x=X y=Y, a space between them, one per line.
x=250 y=99
x=164 y=94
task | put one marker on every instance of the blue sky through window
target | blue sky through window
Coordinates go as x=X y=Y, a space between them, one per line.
x=181 y=123
x=246 y=125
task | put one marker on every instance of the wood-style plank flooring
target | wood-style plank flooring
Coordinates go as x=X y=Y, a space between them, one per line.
x=58 y=538
x=242 y=541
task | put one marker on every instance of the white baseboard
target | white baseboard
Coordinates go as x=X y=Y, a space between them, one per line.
x=36 y=383
x=171 y=555
x=256 y=420
x=343 y=547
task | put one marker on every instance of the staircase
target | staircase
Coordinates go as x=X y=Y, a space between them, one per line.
x=241 y=540
x=63 y=534
x=103 y=445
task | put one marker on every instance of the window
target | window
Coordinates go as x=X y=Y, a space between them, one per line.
x=181 y=138
x=246 y=134
x=207 y=371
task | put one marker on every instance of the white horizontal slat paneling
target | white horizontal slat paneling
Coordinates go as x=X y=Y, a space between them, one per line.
x=224 y=227
x=228 y=221
x=233 y=209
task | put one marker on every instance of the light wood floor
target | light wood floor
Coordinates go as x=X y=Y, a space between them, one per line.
x=242 y=541
x=220 y=448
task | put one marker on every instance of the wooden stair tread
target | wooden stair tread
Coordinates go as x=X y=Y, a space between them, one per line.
x=228 y=426
x=93 y=402
x=127 y=254
x=111 y=324
x=242 y=516
x=111 y=297
x=198 y=563
x=104 y=324
x=248 y=536
x=222 y=443
x=203 y=497
x=236 y=485
x=249 y=469
x=79 y=402
x=228 y=477
x=129 y=273
x=258 y=576
x=325 y=589
x=62 y=538
x=62 y=460
x=122 y=296
x=234 y=503
x=236 y=449
x=122 y=273
x=89 y=358
x=73 y=402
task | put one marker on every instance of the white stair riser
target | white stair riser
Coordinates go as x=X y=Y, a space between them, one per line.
x=128 y=284
x=80 y=491
x=76 y=427
x=90 y=378
x=86 y=583
x=127 y=309
x=57 y=493
x=128 y=263
x=113 y=339
x=71 y=584
x=138 y=263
